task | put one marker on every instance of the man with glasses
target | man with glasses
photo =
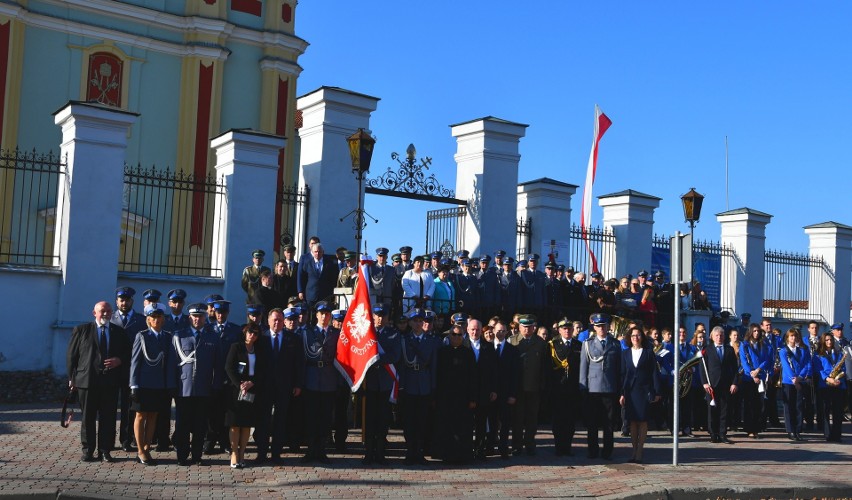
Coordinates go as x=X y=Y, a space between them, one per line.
x=600 y=370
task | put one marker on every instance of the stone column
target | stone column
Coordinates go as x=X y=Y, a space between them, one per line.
x=487 y=162
x=88 y=212
x=547 y=203
x=247 y=161
x=630 y=216
x=744 y=229
x=830 y=288
x=329 y=116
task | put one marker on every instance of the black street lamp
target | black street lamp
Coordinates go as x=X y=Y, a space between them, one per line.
x=361 y=153
x=692 y=202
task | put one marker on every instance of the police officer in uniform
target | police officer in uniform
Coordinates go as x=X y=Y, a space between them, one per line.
x=175 y=318
x=600 y=369
x=131 y=321
x=382 y=276
x=321 y=381
x=196 y=353
x=417 y=385
x=378 y=384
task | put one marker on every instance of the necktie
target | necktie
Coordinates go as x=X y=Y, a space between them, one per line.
x=276 y=345
x=421 y=285
x=720 y=350
x=195 y=335
x=102 y=343
x=603 y=344
x=123 y=320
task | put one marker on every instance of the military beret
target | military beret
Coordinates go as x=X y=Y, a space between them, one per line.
x=258 y=253
x=154 y=310
x=405 y=249
x=210 y=299
x=177 y=294
x=382 y=251
x=599 y=319
x=152 y=295
x=322 y=306
x=222 y=305
x=124 y=291
x=527 y=320
x=197 y=308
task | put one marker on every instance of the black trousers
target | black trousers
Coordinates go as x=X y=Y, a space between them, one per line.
x=377 y=416
x=318 y=415
x=833 y=399
x=164 y=424
x=770 y=409
x=752 y=408
x=602 y=408
x=342 y=403
x=499 y=424
x=794 y=406
x=128 y=416
x=685 y=409
x=216 y=430
x=717 y=414
x=565 y=405
x=98 y=405
x=190 y=426
x=525 y=420
x=271 y=422
x=480 y=427
x=812 y=411
x=416 y=411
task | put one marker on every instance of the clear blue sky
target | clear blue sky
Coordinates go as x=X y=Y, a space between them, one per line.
x=675 y=78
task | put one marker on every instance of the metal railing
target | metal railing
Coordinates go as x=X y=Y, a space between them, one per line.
x=445 y=230
x=168 y=222
x=602 y=244
x=293 y=203
x=29 y=184
x=524 y=238
x=796 y=286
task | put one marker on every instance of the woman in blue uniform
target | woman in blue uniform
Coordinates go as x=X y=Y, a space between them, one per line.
x=756 y=358
x=832 y=386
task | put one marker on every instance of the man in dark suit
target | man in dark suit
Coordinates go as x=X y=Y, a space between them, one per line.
x=131 y=322
x=97 y=357
x=317 y=276
x=286 y=273
x=565 y=385
x=286 y=380
x=719 y=377
x=534 y=367
x=486 y=395
x=506 y=385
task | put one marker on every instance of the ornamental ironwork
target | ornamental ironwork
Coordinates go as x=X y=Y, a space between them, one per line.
x=410 y=180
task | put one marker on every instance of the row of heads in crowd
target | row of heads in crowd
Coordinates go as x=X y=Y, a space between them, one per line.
x=439 y=260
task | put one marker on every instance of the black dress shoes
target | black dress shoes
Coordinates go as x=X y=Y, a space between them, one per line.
x=87 y=457
x=724 y=439
x=128 y=447
x=184 y=462
x=106 y=457
x=791 y=436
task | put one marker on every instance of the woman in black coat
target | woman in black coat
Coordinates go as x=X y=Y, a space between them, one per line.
x=640 y=387
x=246 y=366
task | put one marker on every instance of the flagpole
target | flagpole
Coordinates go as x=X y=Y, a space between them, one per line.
x=726 y=174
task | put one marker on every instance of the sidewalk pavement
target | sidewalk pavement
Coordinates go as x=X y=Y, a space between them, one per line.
x=40 y=459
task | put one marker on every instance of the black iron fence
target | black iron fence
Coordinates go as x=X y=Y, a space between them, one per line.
x=168 y=222
x=524 y=238
x=29 y=183
x=796 y=286
x=592 y=249
x=292 y=218
x=445 y=230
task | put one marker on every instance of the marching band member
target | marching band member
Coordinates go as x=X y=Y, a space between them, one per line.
x=832 y=386
x=756 y=358
x=795 y=375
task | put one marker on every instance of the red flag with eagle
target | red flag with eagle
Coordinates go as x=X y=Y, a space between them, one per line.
x=602 y=123
x=357 y=346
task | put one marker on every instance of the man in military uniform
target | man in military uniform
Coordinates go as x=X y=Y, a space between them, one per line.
x=534 y=368
x=321 y=382
x=417 y=385
x=175 y=318
x=348 y=275
x=565 y=385
x=227 y=334
x=600 y=369
x=251 y=274
x=132 y=322
x=378 y=384
x=197 y=356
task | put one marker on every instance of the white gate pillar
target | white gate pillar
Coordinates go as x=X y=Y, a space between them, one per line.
x=630 y=216
x=487 y=177
x=547 y=204
x=830 y=297
x=744 y=230
x=329 y=116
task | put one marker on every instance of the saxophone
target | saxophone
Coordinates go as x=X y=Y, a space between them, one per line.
x=837 y=371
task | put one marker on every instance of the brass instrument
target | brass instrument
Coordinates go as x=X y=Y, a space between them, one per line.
x=837 y=371
x=618 y=325
x=778 y=368
x=685 y=371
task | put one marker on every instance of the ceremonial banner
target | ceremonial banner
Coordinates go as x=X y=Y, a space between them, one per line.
x=602 y=123
x=357 y=347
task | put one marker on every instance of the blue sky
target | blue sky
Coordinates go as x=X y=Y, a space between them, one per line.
x=675 y=78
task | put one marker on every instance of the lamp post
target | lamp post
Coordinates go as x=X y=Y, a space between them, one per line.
x=692 y=202
x=361 y=153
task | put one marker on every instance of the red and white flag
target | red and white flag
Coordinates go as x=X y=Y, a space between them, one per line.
x=357 y=347
x=602 y=123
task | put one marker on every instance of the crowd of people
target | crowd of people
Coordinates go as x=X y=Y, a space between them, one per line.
x=466 y=360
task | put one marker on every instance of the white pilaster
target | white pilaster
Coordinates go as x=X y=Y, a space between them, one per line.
x=744 y=230
x=547 y=203
x=630 y=216
x=830 y=289
x=329 y=116
x=247 y=162
x=88 y=212
x=487 y=160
